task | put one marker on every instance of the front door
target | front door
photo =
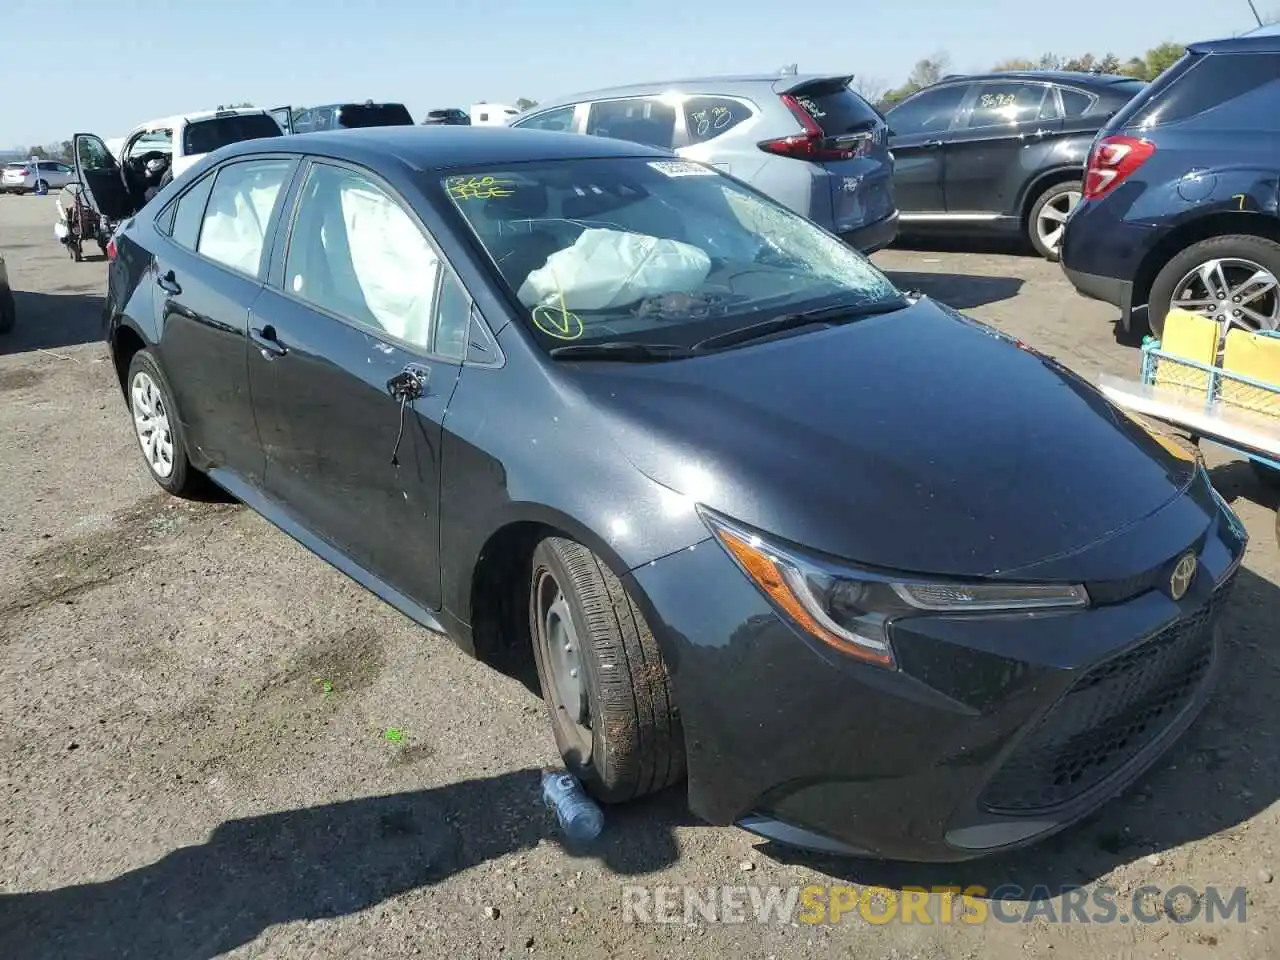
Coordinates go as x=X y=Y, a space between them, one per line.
x=352 y=366
x=207 y=278
x=101 y=178
x=284 y=117
x=989 y=158
x=917 y=127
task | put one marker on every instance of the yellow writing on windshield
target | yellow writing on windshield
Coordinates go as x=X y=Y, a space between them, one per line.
x=478 y=188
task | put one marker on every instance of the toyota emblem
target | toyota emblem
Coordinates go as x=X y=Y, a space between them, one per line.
x=1184 y=571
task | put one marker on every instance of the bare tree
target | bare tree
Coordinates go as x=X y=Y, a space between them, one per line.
x=872 y=89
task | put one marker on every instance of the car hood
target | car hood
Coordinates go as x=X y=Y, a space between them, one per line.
x=919 y=441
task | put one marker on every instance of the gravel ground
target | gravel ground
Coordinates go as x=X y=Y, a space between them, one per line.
x=193 y=759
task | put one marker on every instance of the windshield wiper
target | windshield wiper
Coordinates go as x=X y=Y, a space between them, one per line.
x=626 y=351
x=791 y=321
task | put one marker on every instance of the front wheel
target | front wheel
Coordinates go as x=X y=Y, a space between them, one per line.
x=603 y=678
x=156 y=424
x=1234 y=279
x=1048 y=218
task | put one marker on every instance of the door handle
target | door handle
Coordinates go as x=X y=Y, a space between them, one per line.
x=410 y=383
x=267 y=342
x=169 y=283
x=931 y=144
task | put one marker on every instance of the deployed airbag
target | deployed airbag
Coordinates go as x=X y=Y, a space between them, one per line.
x=614 y=268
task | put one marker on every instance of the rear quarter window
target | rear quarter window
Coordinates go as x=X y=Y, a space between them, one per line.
x=1244 y=88
x=836 y=108
x=1075 y=103
x=708 y=117
x=205 y=136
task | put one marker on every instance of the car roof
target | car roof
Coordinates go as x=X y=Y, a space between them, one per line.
x=170 y=123
x=444 y=147
x=1260 y=40
x=355 y=103
x=725 y=84
x=1077 y=78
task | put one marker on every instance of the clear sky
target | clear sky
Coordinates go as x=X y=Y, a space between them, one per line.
x=103 y=66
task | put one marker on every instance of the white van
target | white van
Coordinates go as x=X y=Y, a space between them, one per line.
x=492 y=114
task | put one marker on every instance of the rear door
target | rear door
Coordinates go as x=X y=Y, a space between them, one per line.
x=998 y=146
x=102 y=179
x=652 y=121
x=565 y=119
x=917 y=128
x=858 y=180
x=208 y=276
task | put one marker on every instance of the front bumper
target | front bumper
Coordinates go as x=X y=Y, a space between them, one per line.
x=992 y=733
x=873 y=236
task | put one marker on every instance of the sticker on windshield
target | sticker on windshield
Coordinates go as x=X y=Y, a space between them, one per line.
x=558 y=322
x=681 y=168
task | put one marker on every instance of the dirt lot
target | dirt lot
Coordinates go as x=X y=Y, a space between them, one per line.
x=193 y=712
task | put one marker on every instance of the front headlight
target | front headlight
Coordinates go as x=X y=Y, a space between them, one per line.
x=849 y=609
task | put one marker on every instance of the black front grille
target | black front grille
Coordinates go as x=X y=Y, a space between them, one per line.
x=1107 y=717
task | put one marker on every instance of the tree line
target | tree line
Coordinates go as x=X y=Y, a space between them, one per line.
x=930 y=70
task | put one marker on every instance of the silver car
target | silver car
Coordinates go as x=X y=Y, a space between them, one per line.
x=22 y=176
x=809 y=142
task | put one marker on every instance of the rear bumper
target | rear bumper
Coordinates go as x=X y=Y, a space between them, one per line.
x=873 y=236
x=1111 y=290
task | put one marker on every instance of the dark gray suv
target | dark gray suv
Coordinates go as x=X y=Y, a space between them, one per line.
x=810 y=142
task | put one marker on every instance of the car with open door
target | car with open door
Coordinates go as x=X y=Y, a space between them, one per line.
x=581 y=404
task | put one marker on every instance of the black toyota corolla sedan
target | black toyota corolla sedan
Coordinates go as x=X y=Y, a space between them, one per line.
x=876 y=578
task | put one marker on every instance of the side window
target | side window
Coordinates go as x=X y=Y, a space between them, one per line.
x=1242 y=86
x=561 y=118
x=453 y=318
x=708 y=117
x=644 y=120
x=322 y=119
x=354 y=251
x=188 y=213
x=928 y=112
x=1003 y=104
x=234 y=227
x=302 y=121
x=93 y=155
x=1075 y=103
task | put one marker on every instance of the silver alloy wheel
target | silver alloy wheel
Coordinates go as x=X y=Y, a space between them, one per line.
x=151 y=421
x=1232 y=290
x=1051 y=221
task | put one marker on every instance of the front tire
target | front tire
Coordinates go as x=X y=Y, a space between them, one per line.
x=158 y=427
x=1047 y=220
x=603 y=678
x=1216 y=277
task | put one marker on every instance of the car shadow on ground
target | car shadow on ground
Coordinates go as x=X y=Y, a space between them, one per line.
x=1224 y=771
x=47 y=321
x=327 y=861
x=960 y=292
x=943 y=243
x=1240 y=479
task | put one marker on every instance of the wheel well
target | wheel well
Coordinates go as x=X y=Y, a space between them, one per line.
x=125 y=342
x=1215 y=225
x=1043 y=183
x=499 y=610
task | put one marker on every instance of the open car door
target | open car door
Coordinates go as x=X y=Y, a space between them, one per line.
x=284 y=117
x=102 y=181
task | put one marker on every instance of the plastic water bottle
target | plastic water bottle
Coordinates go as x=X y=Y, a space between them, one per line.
x=580 y=818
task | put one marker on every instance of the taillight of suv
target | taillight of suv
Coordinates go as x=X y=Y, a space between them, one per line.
x=814 y=144
x=1111 y=161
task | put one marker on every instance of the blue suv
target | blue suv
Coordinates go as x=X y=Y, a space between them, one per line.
x=1180 y=193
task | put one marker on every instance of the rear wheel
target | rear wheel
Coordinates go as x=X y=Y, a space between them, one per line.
x=1048 y=217
x=1234 y=279
x=603 y=678
x=156 y=424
